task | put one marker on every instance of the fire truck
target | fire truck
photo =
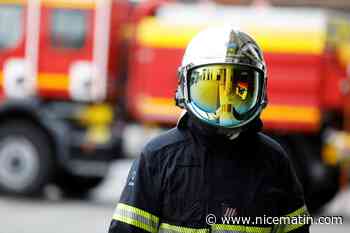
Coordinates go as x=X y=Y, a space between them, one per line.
x=69 y=85
x=58 y=67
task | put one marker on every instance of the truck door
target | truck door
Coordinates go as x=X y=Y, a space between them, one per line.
x=66 y=50
x=16 y=79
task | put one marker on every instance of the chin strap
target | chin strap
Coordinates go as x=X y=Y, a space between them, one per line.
x=233 y=135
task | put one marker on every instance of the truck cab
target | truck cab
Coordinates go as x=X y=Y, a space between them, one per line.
x=58 y=73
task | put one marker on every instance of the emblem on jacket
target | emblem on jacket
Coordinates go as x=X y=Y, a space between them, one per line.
x=229 y=212
x=131 y=181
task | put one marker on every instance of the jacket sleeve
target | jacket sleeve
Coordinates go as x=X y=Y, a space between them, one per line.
x=138 y=208
x=292 y=205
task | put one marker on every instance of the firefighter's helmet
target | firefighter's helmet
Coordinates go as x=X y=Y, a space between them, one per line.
x=222 y=78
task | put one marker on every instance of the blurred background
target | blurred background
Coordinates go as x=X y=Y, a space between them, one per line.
x=84 y=84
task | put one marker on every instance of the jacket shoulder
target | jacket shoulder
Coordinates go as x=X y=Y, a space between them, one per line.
x=168 y=138
x=271 y=145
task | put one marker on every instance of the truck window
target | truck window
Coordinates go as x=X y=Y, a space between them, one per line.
x=68 y=28
x=11 y=26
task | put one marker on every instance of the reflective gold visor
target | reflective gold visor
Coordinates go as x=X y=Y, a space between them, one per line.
x=222 y=93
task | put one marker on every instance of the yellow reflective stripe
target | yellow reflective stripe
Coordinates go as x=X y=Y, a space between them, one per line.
x=223 y=228
x=136 y=217
x=167 y=228
x=292 y=227
x=138 y=211
x=299 y=212
x=134 y=223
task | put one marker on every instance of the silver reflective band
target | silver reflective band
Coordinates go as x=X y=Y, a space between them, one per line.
x=167 y=228
x=217 y=228
x=299 y=212
x=223 y=228
x=136 y=217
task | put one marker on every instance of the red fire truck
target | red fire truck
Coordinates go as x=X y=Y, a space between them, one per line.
x=66 y=90
x=59 y=61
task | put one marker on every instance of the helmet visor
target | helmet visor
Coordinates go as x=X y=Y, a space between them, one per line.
x=223 y=94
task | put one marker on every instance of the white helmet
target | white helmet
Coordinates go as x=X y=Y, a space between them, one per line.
x=222 y=78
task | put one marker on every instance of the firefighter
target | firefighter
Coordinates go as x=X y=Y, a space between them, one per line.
x=215 y=164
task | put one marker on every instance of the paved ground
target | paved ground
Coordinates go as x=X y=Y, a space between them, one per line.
x=93 y=216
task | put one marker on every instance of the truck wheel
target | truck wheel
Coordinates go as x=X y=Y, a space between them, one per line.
x=26 y=161
x=77 y=187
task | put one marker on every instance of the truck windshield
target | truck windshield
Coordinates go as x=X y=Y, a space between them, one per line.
x=11 y=25
x=68 y=28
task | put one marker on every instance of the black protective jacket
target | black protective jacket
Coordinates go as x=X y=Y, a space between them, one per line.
x=186 y=178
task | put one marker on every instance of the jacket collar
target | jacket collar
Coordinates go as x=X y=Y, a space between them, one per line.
x=218 y=142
